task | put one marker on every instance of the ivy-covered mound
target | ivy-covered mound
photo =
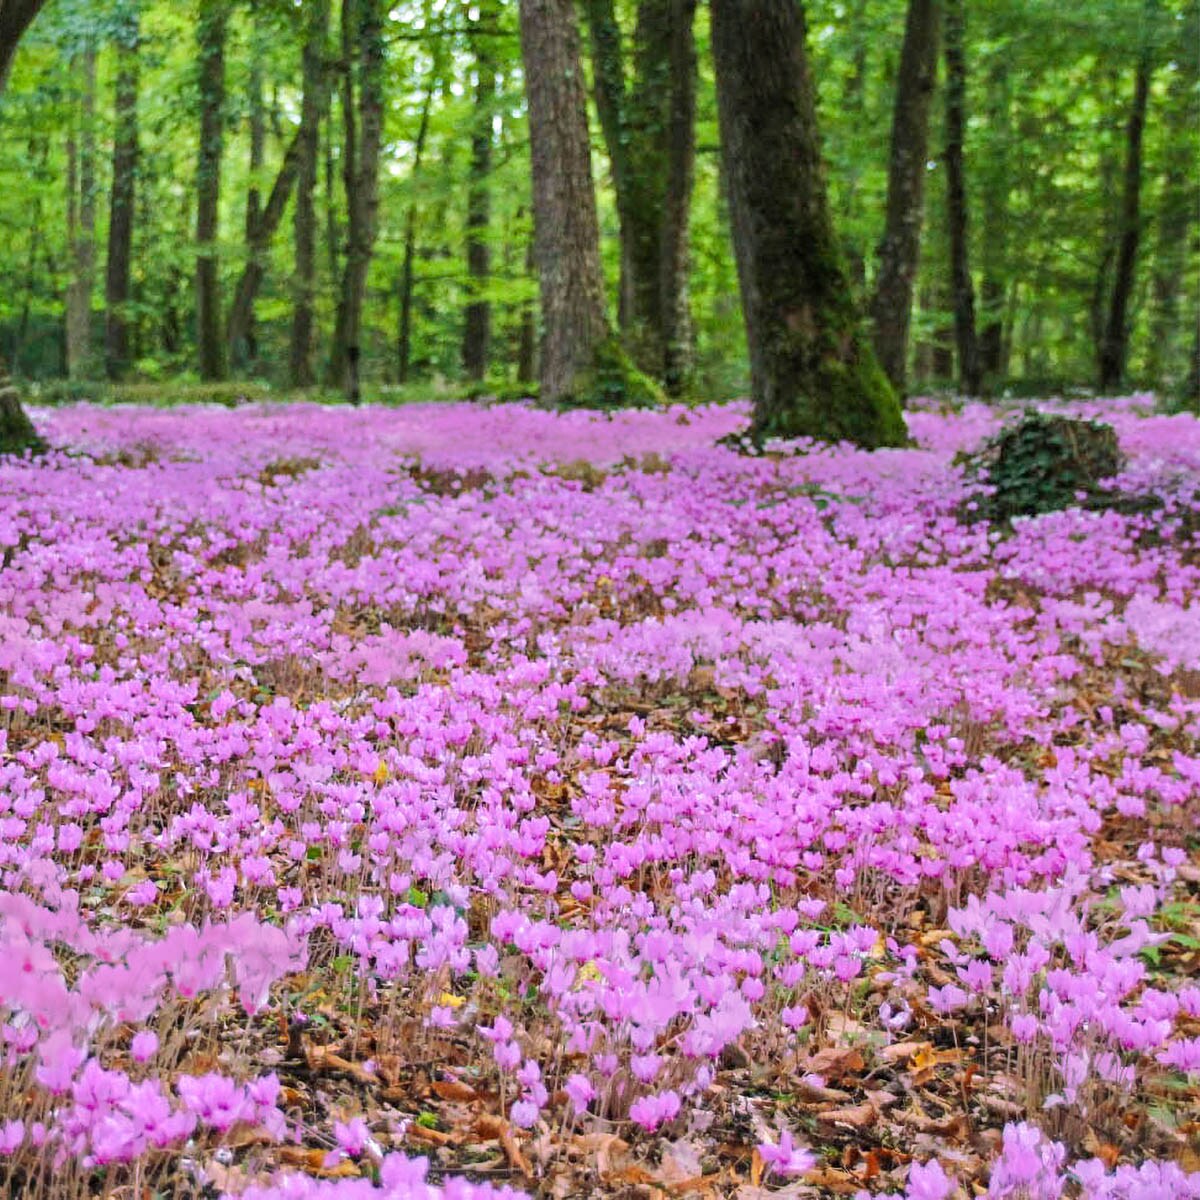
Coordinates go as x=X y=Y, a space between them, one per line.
x=1045 y=462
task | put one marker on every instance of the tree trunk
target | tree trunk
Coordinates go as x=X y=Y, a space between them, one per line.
x=408 y=266
x=527 y=332
x=15 y=18
x=674 y=241
x=241 y=311
x=362 y=40
x=994 y=289
x=81 y=210
x=241 y=341
x=900 y=250
x=813 y=373
x=1176 y=210
x=477 y=331
x=312 y=109
x=962 y=289
x=1114 y=347
x=210 y=31
x=649 y=131
x=121 y=204
x=566 y=231
x=16 y=430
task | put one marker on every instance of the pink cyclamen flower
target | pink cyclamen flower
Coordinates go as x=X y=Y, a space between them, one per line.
x=785 y=1158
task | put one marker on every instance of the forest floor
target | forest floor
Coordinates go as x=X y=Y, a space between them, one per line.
x=446 y=798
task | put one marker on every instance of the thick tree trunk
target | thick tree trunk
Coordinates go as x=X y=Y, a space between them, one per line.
x=121 y=204
x=241 y=311
x=16 y=430
x=649 y=131
x=312 y=109
x=210 y=32
x=962 y=290
x=477 y=330
x=900 y=250
x=81 y=210
x=362 y=42
x=813 y=373
x=566 y=232
x=408 y=264
x=15 y=17
x=1114 y=347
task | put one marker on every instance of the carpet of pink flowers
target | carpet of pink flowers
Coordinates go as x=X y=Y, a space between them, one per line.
x=394 y=800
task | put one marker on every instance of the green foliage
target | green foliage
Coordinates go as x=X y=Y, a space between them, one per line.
x=1045 y=462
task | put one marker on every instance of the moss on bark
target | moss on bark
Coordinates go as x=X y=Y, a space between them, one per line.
x=612 y=380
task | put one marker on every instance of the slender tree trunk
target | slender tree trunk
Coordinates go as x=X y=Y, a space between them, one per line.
x=121 y=205
x=1114 y=348
x=81 y=211
x=527 y=333
x=674 y=265
x=962 y=289
x=994 y=289
x=362 y=40
x=813 y=373
x=566 y=231
x=900 y=250
x=210 y=32
x=241 y=311
x=408 y=265
x=241 y=340
x=477 y=331
x=1191 y=385
x=312 y=109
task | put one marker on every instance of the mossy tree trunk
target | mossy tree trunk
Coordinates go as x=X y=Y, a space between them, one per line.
x=16 y=430
x=1114 y=345
x=362 y=43
x=900 y=250
x=211 y=29
x=477 y=323
x=970 y=374
x=117 y=270
x=304 y=220
x=649 y=132
x=580 y=361
x=813 y=372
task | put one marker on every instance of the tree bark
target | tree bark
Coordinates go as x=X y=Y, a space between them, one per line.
x=16 y=430
x=900 y=250
x=527 y=331
x=121 y=203
x=813 y=373
x=1114 y=347
x=15 y=17
x=962 y=290
x=994 y=287
x=477 y=330
x=1176 y=212
x=649 y=131
x=81 y=220
x=362 y=40
x=566 y=231
x=408 y=265
x=312 y=109
x=268 y=218
x=210 y=31
x=241 y=341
